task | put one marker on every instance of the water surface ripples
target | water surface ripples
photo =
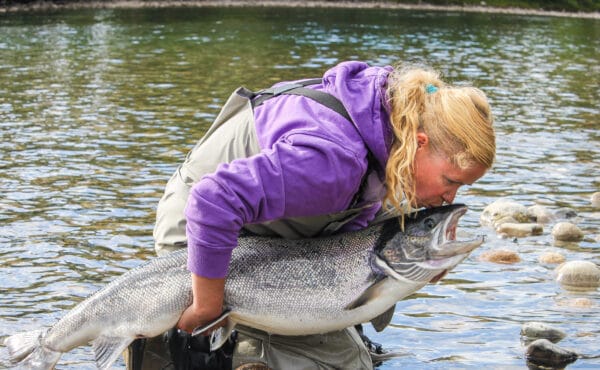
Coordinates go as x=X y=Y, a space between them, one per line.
x=98 y=107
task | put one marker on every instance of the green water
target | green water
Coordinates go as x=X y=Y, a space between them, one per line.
x=98 y=107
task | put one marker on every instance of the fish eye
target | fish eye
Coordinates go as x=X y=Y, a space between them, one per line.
x=429 y=223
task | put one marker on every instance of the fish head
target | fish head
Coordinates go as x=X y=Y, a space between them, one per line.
x=427 y=247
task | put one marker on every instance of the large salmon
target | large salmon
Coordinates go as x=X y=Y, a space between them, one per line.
x=282 y=286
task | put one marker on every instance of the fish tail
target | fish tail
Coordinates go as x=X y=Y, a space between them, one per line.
x=26 y=351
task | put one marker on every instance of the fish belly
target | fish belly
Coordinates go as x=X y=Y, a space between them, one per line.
x=317 y=314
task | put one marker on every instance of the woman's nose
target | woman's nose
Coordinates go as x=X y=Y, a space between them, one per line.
x=449 y=196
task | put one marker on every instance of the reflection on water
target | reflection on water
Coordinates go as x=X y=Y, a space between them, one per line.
x=97 y=108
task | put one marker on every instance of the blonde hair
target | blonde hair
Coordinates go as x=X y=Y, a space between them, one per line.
x=457 y=120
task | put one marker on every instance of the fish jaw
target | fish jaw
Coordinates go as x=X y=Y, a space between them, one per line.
x=453 y=248
x=439 y=268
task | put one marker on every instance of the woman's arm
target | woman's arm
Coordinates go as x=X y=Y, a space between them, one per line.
x=300 y=176
x=207 y=304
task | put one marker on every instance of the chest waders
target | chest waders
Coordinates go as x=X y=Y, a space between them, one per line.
x=232 y=136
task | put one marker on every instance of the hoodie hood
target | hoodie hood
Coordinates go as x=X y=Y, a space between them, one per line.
x=361 y=88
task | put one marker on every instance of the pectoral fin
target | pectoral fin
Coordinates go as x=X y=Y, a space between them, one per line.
x=108 y=349
x=383 y=320
x=368 y=295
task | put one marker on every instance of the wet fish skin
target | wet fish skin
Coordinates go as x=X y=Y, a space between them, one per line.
x=287 y=287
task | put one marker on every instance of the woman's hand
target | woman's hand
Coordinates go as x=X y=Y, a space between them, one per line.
x=206 y=306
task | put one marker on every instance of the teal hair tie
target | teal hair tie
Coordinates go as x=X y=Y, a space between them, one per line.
x=430 y=89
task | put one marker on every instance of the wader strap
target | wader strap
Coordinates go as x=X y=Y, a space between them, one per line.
x=323 y=98
x=298 y=88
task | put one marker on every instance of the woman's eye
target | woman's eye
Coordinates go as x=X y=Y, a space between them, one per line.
x=450 y=182
x=429 y=223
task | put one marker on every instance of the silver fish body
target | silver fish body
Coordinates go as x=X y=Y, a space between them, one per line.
x=282 y=286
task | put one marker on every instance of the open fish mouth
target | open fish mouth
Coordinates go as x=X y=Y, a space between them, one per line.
x=450 y=251
x=448 y=246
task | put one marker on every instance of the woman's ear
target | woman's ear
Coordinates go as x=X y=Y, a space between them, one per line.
x=422 y=139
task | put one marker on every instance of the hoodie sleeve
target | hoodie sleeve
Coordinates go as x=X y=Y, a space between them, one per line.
x=301 y=175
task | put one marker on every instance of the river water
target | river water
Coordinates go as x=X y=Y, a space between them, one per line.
x=98 y=107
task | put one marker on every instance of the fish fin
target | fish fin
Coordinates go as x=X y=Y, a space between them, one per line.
x=108 y=349
x=41 y=358
x=383 y=320
x=220 y=336
x=368 y=295
x=20 y=345
x=26 y=351
x=202 y=329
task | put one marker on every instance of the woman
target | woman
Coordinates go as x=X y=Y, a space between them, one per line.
x=294 y=166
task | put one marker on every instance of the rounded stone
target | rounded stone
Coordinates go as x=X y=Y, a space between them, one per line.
x=503 y=256
x=595 y=199
x=552 y=258
x=578 y=303
x=578 y=275
x=538 y=330
x=543 y=352
x=540 y=214
x=567 y=232
x=565 y=213
x=519 y=230
x=503 y=209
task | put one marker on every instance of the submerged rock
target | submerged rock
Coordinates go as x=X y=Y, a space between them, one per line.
x=567 y=232
x=552 y=257
x=503 y=219
x=511 y=219
x=576 y=275
x=538 y=330
x=519 y=230
x=595 y=199
x=543 y=352
x=565 y=213
x=540 y=214
x=577 y=303
x=500 y=256
x=502 y=211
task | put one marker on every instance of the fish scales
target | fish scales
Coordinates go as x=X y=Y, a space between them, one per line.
x=300 y=279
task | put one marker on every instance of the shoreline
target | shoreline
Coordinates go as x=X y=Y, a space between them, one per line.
x=43 y=5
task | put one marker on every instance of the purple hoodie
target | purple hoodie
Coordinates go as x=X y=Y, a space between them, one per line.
x=312 y=161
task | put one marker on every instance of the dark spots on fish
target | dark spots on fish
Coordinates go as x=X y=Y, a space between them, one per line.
x=389 y=229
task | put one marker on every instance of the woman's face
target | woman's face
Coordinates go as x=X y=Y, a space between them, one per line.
x=436 y=179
